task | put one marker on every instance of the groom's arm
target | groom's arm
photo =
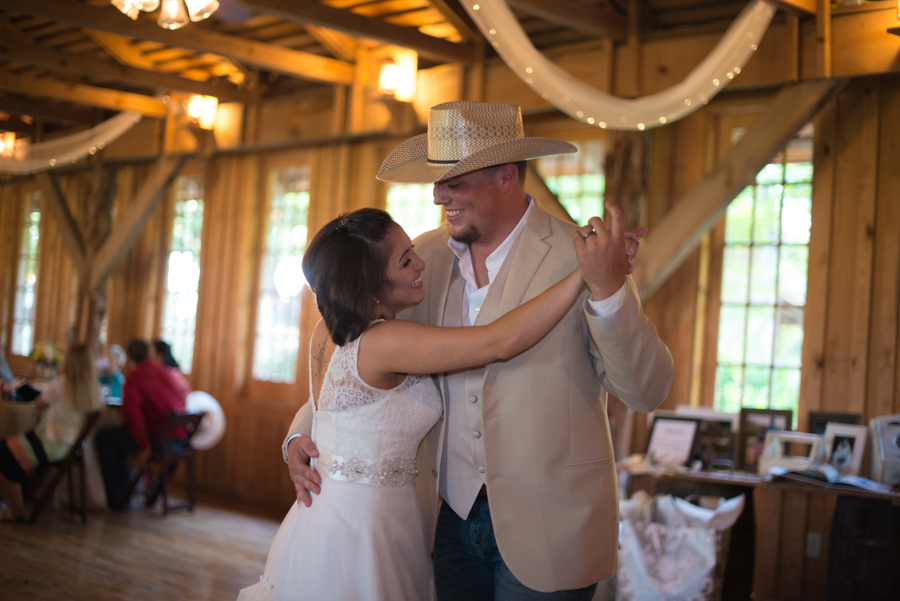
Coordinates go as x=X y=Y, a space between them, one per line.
x=297 y=450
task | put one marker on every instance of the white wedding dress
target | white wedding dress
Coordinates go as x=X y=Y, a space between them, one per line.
x=362 y=538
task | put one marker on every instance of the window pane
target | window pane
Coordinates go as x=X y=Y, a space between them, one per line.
x=796 y=217
x=759 y=335
x=281 y=277
x=412 y=206
x=763 y=275
x=766 y=214
x=798 y=172
x=734 y=274
x=732 y=326
x=793 y=276
x=770 y=174
x=577 y=179
x=26 y=277
x=729 y=384
x=788 y=337
x=739 y=218
x=786 y=389
x=183 y=281
x=756 y=387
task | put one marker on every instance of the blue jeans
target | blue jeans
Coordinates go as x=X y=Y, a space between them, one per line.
x=468 y=566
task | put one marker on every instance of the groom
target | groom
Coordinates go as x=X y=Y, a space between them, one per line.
x=522 y=457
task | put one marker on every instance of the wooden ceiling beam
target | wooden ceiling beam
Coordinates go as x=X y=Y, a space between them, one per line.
x=134 y=218
x=47 y=87
x=601 y=21
x=293 y=63
x=457 y=16
x=50 y=112
x=700 y=209
x=802 y=8
x=84 y=65
x=313 y=13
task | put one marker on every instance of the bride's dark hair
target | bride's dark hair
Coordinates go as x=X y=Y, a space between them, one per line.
x=346 y=267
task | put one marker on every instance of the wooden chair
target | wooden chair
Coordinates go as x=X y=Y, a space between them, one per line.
x=39 y=496
x=164 y=459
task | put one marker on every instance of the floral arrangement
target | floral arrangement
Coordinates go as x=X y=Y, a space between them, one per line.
x=48 y=355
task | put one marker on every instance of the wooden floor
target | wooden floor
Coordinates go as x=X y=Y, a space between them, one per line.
x=138 y=555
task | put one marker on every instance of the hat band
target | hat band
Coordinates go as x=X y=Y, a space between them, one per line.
x=436 y=162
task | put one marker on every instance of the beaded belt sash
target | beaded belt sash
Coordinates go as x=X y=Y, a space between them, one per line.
x=390 y=472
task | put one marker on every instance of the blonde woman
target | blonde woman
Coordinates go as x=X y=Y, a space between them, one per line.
x=67 y=400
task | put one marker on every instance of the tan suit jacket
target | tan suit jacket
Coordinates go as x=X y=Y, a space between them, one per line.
x=550 y=469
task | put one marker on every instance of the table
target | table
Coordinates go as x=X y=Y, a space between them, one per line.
x=795 y=541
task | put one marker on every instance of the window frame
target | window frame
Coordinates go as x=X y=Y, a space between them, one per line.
x=713 y=246
x=264 y=391
x=165 y=249
x=20 y=364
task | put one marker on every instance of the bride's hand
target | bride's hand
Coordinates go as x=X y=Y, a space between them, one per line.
x=602 y=254
x=632 y=241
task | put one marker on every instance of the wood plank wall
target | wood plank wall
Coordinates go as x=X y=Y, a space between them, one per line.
x=852 y=313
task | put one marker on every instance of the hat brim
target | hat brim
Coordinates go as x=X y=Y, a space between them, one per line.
x=408 y=163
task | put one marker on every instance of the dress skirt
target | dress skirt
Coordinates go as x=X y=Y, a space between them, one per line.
x=357 y=541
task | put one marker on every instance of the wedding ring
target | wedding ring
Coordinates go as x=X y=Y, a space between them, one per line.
x=589 y=234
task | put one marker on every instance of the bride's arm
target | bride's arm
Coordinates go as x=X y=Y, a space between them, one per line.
x=407 y=347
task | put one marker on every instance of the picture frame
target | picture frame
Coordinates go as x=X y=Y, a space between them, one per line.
x=818 y=420
x=717 y=437
x=781 y=449
x=673 y=440
x=845 y=445
x=752 y=427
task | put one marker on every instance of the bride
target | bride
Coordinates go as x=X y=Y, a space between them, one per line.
x=363 y=537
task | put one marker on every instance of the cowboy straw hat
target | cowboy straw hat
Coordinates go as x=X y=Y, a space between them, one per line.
x=462 y=137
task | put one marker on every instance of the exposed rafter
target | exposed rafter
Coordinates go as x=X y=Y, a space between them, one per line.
x=601 y=21
x=700 y=209
x=83 y=64
x=265 y=56
x=313 y=13
x=92 y=96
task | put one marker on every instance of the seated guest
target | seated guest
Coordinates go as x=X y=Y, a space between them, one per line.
x=148 y=398
x=161 y=352
x=67 y=399
x=111 y=370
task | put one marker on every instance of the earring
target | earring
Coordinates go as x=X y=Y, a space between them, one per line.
x=377 y=302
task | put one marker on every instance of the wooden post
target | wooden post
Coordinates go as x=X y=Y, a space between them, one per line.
x=626 y=179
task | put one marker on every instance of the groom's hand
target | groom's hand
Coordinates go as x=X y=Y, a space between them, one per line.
x=306 y=480
x=602 y=255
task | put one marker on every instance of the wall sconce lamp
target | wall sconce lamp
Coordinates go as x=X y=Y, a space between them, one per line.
x=397 y=76
x=8 y=144
x=202 y=110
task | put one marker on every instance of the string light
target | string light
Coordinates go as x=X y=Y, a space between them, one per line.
x=497 y=22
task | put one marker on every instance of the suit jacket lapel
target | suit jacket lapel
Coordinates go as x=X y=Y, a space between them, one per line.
x=441 y=267
x=529 y=256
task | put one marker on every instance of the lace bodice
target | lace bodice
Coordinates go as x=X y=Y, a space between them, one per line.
x=353 y=419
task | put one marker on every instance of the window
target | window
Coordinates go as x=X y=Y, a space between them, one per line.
x=182 y=283
x=412 y=206
x=26 y=276
x=281 y=278
x=764 y=274
x=577 y=179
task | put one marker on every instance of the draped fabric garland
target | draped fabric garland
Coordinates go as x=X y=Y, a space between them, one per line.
x=68 y=150
x=580 y=101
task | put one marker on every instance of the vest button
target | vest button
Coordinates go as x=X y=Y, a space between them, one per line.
x=476 y=434
x=473 y=399
x=481 y=469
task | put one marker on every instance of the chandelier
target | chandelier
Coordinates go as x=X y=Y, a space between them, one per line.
x=172 y=15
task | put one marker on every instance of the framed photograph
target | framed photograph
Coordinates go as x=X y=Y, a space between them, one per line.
x=818 y=419
x=715 y=434
x=844 y=447
x=673 y=440
x=791 y=450
x=752 y=428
